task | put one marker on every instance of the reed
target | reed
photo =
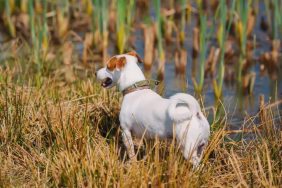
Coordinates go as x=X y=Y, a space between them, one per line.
x=62 y=19
x=124 y=21
x=149 y=37
x=39 y=32
x=202 y=49
x=9 y=4
x=161 y=52
x=184 y=14
x=222 y=36
x=243 y=8
x=169 y=24
x=121 y=25
x=100 y=20
x=88 y=7
x=24 y=6
x=277 y=19
x=266 y=20
x=34 y=40
x=45 y=29
x=130 y=10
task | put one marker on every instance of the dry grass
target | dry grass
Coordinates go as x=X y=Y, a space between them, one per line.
x=68 y=137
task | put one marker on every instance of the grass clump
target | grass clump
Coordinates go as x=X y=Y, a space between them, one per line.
x=69 y=136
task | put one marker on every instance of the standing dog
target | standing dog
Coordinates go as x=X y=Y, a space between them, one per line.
x=144 y=112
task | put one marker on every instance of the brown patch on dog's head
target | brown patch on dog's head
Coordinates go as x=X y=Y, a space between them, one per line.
x=133 y=53
x=111 y=65
x=121 y=63
x=116 y=63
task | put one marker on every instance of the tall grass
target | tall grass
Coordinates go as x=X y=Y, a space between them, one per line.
x=68 y=136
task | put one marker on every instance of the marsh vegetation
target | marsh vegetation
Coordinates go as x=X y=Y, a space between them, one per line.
x=59 y=128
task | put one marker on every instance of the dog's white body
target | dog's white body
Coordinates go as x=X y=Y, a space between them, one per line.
x=145 y=113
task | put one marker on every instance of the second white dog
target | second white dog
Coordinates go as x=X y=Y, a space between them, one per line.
x=145 y=112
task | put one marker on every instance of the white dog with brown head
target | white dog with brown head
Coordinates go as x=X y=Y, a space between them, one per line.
x=144 y=112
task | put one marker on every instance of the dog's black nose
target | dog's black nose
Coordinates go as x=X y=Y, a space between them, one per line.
x=95 y=73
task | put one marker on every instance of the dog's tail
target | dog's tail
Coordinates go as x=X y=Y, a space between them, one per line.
x=183 y=107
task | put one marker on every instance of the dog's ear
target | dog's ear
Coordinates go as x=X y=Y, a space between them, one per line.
x=116 y=63
x=111 y=64
x=133 y=53
x=120 y=63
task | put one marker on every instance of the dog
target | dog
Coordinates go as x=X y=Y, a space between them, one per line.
x=146 y=114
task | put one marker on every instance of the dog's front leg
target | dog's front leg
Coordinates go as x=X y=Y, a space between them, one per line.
x=127 y=140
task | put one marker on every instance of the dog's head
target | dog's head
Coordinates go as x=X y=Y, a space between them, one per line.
x=121 y=70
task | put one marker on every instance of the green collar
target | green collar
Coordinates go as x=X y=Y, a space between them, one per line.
x=144 y=84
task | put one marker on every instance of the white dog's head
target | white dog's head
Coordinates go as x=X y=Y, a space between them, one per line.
x=121 y=70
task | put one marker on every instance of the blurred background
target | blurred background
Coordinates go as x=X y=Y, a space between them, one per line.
x=226 y=52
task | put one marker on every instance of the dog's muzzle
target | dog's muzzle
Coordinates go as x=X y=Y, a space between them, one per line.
x=106 y=82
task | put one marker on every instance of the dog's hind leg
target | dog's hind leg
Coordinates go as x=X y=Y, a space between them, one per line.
x=128 y=142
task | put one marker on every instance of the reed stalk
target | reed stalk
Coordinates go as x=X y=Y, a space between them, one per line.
x=62 y=16
x=100 y=22
x=9 y=4
x=129 y=8
x=159 y=34
x=277 y=20
x=121 y=24
x=159 y=29
x=222 y=35
x=88 y=7
x=267 y=12
x=104 y=25
x=243 y=8
x=24 y=6
x=34 y=40
x=95 y=17
x=45 y=29
x=39 y=32
x=149 y=36
x=183 y=21
x=202 y=49
x=130 y=14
